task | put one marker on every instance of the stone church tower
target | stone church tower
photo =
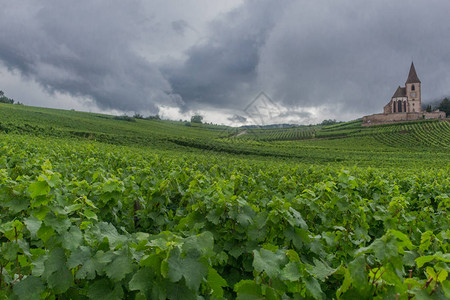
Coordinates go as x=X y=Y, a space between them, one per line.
x=406 y=99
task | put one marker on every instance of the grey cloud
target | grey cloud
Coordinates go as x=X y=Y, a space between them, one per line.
x=295 y=114
x=221 y=70
x=237 y=119
x=348 y=56
x=83 y=48
x=180 y=26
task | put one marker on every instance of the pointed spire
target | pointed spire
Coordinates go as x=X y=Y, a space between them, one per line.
x=412 y=77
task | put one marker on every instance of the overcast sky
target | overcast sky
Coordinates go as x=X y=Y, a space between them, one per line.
x=313 y=60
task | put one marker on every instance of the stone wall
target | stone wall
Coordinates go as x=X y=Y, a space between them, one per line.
x=401 y=117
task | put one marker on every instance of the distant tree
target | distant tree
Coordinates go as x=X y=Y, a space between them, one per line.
x=4 y=99
x=428 y=108
x=138 y=116
x=328 y=122
x=445 y=106
x=124 y=118
x=155 y=117
x=197 y=119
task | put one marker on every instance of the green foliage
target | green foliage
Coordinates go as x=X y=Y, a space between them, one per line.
x=83 y=219
x=197 y=119
x=329 y=122
x=125 y=118
x=4 y=99
x=218 y=227
x=445 y=106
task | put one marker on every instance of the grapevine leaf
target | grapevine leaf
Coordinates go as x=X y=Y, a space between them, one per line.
x=248 y=290
x=16 y=204
x=110 y=232
x=177 y=291
x=104 y=289
x=268 y=261
x=190 y=268
x=291 y=271
x=420 y=261
x=141 y=280
x=446 y=288
x=88 y=269
x=60 y=281
x=384 y=250
x=74 y=207
x=33 y=224
x=203 y=242
x=45 y=232
x=82 y=257
x=72 y=239
x=345 y=284
x=409 y=258
x=271 y=294
x=90 y=214
x=60 y=223
x=442 y=276
x=358 y=272
x=313 y=287
x=216 y=282
x=403 y=237
x=29 y=288
x=10 y=250
x=298 y=236
x=39 y=258
x=321 y=270
x=298 y=219
x=58 y=276
x=422 y=295
x=244 y=220
x=119 y=267
x=38 y=188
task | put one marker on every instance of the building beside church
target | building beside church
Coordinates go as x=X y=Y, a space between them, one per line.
x=405 y=104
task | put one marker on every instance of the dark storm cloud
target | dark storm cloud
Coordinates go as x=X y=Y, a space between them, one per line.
x=82 y=48
x=180 y=26
x=221 y=70
x=347 y=56
x=237 y=119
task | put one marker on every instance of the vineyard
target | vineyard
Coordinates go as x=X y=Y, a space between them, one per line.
x=97 y=208
x=279 y=134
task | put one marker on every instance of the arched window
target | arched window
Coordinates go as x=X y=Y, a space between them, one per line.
x=399 y=104
x=413 y=88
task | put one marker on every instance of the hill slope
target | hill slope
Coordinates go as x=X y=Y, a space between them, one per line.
x=421 y=142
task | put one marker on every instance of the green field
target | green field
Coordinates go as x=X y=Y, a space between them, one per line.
x=93 y=207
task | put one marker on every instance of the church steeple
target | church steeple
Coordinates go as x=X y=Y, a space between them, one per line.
x=412 y=77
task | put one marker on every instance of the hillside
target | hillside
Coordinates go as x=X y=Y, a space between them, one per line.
x=350 y=143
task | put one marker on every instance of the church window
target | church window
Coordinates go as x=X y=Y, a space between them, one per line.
x=413 y=88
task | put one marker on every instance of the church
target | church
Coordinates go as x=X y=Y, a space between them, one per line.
x=405 y=104
x=407 y=98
